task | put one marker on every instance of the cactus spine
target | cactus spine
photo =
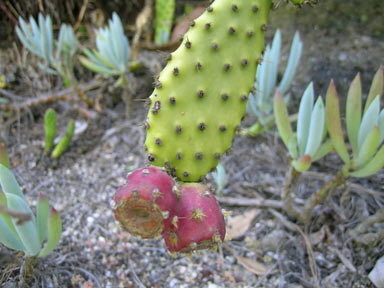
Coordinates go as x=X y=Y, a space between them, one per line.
x=201 y=95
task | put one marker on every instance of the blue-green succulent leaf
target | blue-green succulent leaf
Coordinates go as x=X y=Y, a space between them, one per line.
x=369 y=121
x=8 y=237
x=316 y=128
x=381 y=126
x=8 y=182
x=293 y=63
x=27 y=231
x=304 y=118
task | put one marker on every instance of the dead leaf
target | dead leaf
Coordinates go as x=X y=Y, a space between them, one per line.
x=251 y=265
x=238 y=225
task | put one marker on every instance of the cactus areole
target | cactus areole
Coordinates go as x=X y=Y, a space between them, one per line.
x=198 y=222
x=201 y=95
x=145 y=205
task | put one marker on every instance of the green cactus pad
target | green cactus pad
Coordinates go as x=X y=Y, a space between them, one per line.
x=201 y=95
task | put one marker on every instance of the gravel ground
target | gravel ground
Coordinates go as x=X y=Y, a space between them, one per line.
x=270 y=248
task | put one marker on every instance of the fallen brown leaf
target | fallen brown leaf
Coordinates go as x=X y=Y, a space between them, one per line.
x=251 y=265
x=238 y=225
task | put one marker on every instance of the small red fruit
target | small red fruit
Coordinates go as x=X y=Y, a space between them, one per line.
x=146 y=205
x=198 y=222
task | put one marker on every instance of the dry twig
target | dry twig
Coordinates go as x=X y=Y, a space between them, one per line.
x=21 y=216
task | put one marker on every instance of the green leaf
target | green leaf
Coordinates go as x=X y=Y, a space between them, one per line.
x=334 y=123
x=50 y=129
x=27 y=231
x=353 y=113
x=282 y=120
x=4 y=160
x=369 y=121
x=316 y=128
x=304 y=118
x=96 y=67
x=8 y=237
x=293 y=62
x=6 y=218
x=8 y=182
x=368 y=148
x=373 y=166
x=64 y=142
x=381 y=126
x=54 y=232
x=376 y=88
x=42 y=213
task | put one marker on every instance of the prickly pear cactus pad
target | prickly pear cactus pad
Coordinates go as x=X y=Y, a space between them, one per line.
x=201 y=95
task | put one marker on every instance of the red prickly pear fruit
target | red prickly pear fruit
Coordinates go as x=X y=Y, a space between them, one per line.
x=145 y=206
x=198 y=222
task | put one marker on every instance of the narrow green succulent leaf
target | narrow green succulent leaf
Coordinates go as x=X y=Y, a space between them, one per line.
x=323 y=150
x=220 y=177
x=27 y=231
x=64 y=142
x=292 y=147
x=381 y=126
x=274 y=64
x=117 y=35
x=353 y=113
x=372 y=167
x=316 y=128
x=369 y=121
x=43 y=38
x=8 y=182
x=96 y=67
x=368 y=148
x=333 y=121
x=60 y=40
x=304 y=118
x=8 y=237
x=90 y=54
x=4 y=160
x=262 y=78
x=50 y=129
x=36 y=35
x=282 y=120
x=376 y=88
x=302 y=164
x=6 y=218
x=42 y=213
x=54 y=232
x=104 y=59
x=49 y=31
x=165 y=10
x=29 y=44
x=293 y=62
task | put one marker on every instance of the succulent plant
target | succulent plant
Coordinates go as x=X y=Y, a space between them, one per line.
x=201 y=95
x=198 y=222
x=113 y=51
x=50 y=129
x=146 y=205
x=220 y=177
x=36 y=236
x=365 y=127
x=307 y=144
x=63 y=143
x=165 y=10
x=260 y=103
x=39 y=40
x=50 y=133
